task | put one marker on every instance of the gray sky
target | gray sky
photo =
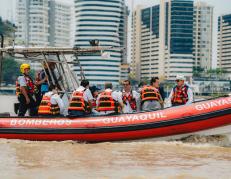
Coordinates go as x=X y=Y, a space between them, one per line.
x=7 y=11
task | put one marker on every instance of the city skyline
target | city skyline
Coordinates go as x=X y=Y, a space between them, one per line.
x=7 y=11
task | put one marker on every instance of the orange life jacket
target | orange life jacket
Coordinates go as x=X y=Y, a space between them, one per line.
x=46 y=108
x=77 y=102
x=30 y=86
x=180 y=95
x=107 y=103
x=130 y=99
x=149 y=93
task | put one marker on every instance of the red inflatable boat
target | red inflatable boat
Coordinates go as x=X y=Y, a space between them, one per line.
x=206 y=117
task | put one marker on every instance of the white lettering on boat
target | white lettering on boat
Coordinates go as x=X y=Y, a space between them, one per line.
x=36 y=122
x=133 y=117
x=212 y=104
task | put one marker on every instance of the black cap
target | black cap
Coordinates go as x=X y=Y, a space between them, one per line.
x=94 y=89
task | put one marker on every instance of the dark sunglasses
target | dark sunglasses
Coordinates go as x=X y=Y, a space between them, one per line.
x=178 y=81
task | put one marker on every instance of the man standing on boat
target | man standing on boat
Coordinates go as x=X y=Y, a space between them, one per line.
x=181 y=94
x=131 y=98
x=81 y=101
x=109 y=101
x=150 y=96
x=26 y=90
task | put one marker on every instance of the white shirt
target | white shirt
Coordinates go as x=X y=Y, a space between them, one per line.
x=22 y=81
x=127 y=108
x=115 y=95
x=189 y=93
x=87 y=96
x=55 y=99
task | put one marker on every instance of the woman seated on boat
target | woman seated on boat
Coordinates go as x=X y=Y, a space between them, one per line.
x=150 y=96
x=51 y=104
x=81 y=101
x=131 y=98
x=181 y=94
x=109 y=101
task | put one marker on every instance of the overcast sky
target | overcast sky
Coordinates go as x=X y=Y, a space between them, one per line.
x=7 y=10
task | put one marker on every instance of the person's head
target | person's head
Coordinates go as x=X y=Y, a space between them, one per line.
x=155 y=82
x=94 y=91
x=85 y=83
x=180 y=80
x=108 y=85
x=54 y=89
x=141 y=84
x=126 y=85
x=25 y=68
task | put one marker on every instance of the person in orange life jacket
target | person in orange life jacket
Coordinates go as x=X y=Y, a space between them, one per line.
x=141 y=85
x=160 y=87
x=109 y=101
x=131 y=98
x=150 y=96
x=81 y=101
x=95 y=93
x=25 y=90
x=52 y=104
x=181 y=94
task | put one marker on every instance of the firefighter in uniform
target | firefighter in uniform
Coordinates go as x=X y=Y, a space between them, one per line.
x=108 y=101
x=150 y=97
x=181 y=94
x=51 y=104
x=26 y=90
x=81 y=101
x=131 y=98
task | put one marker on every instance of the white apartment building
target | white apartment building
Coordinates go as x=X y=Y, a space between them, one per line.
x=203 y=35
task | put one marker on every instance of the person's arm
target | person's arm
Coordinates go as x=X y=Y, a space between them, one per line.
x=41 y=81
x=119 y=99
x=169 y=101
x=190 y=96
x=60 y=103
x=24 y=92
x=89 y=98
x=138 y=101
x=22 y=84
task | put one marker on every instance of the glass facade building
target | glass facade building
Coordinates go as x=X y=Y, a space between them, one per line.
x=166 y=36
x=224 y=43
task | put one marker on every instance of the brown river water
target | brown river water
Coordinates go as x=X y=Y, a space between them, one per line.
x=195 y=157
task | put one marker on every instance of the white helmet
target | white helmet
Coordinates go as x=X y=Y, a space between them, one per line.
x=180 y=77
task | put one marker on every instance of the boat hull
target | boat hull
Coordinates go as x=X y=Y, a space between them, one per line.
x=185 y=120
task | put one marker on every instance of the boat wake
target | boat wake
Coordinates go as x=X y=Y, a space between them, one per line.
x=217 y=140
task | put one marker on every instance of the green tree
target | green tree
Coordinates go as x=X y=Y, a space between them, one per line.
x=10 y=70
x=198 y=71
x=6 y=27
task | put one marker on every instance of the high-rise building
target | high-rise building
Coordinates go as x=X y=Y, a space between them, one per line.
x=165 y=36
x=203 y=35
x=224 y=43
x=43 y=23
x=32 y=22
x=105 y=21
x=59 y=24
